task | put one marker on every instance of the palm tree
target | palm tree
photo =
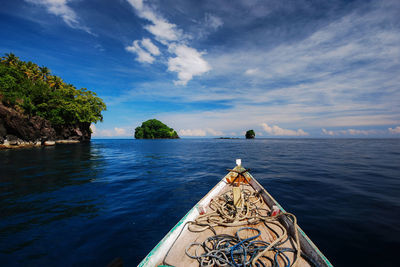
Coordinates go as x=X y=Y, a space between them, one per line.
x=36 y=73
x=55 y=82
x=44 y=71
x=28 y=72
x=28 y=69
x=10 y=59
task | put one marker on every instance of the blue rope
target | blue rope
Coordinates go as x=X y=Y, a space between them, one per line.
x=240 y=244
x=233 y=251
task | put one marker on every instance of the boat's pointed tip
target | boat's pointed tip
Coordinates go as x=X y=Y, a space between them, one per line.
x=239 y=162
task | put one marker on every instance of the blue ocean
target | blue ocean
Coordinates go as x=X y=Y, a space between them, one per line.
x=87 y=204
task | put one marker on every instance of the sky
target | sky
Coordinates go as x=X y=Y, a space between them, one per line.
x=218 y=68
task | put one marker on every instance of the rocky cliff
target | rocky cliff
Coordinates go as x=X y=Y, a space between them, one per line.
x=18 y=130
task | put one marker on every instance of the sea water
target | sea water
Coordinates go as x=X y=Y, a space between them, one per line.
x=86 y=204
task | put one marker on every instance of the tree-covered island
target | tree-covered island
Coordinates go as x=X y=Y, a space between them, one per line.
x=250 y=134
x=37 y=106
x=155 y=129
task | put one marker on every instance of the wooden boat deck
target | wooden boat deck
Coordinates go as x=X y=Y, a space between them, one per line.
x=177 y=257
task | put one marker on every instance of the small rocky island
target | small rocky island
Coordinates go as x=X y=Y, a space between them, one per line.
x=38 y=108
x=250 y=134
x=155 y=129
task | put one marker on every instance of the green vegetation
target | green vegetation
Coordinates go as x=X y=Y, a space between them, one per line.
x=34 y=91
x=250 y=134
x=155 y=129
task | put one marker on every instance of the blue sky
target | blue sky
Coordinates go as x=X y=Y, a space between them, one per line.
x=218 y=68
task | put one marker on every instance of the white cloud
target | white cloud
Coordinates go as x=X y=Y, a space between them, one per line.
x=93 y=128
x=153 y=49
x=214 y=132
x=138 y=4
x=187 y=63
x=142 y=55
x=159 y=27
x=120 y=131
x=251 y=71
x=199 y=132
x=395 y=130
x=351 y=132
x=331 y=133
x=360 y=132
x=99 y=47
x=163 y=30
x=192 y=132
x=210 y=24
x=107 y=132
x=61 y=9
x=276 y=130
x=213 y=21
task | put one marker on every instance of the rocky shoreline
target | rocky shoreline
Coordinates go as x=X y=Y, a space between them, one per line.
x=20 y=131
x=28 y=144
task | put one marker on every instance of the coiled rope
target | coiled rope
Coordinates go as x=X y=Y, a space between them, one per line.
x=228 y=250
x=225 y=213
